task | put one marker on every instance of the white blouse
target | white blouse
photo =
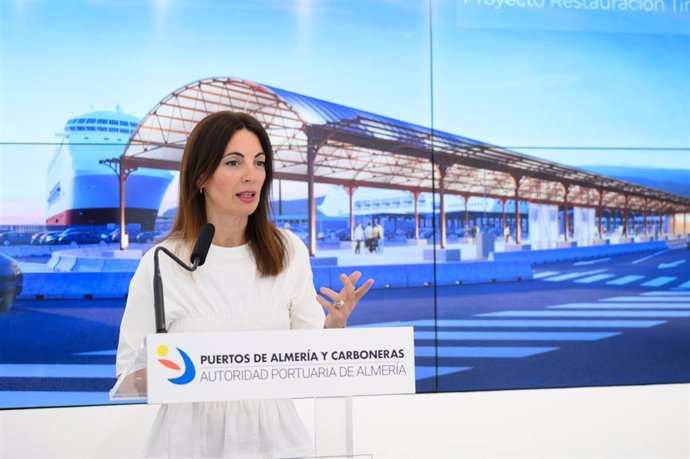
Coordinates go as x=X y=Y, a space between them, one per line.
x=226 y=293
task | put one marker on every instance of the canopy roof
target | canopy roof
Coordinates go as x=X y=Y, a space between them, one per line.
x=357 y=148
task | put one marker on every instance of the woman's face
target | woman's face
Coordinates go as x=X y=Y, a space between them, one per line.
x=235 y=187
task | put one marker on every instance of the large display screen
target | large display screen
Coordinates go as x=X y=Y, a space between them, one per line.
x=514 y=174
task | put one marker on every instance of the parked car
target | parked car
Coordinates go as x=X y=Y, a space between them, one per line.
x=75 y=236
x=36 y=238
x=429 y=233
x=40 y=237
x=398 y=235
x=49 y=238
x=14 y=238
x=342 y=234
x=11 y=282
x=461 y=231
x=334 y=236
x=114 y=235
x=148 y=237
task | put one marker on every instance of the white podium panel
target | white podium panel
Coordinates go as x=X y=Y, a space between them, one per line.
x=197 y=367
x=328 y=366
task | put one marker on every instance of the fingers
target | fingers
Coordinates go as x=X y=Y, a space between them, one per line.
x=327 y=305
x=348 y=285
x=351 y=279
x=361 y=291
x=349 y=293
x=337 y=316
x=348 y=290
x=354 y=277
x=332 y=294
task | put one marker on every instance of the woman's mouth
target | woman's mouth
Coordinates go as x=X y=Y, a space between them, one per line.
x=246 y=196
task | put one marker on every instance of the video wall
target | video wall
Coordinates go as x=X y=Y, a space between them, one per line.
x=515 y=175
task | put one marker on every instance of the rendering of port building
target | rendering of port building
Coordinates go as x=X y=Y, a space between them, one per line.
x=316 y=141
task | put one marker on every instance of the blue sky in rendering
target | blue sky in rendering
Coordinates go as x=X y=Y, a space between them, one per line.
x=582 y=85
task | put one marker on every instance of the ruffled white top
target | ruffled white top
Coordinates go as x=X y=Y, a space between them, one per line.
x=224 y=294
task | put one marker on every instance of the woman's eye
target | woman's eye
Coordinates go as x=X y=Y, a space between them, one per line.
x=232 y=162
x=261 y=163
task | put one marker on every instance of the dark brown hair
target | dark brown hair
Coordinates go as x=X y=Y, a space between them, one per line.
x=202 y=155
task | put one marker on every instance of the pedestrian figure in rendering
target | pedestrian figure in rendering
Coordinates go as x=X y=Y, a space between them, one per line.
x=374 y=241
x=474 y=232
x=378 y=232
x=369 y=237
x=256 y=277
x=358 y=237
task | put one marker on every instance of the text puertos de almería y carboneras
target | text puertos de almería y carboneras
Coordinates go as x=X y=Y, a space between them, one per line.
x=195 y=367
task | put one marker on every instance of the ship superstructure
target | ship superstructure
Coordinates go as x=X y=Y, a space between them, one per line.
x=81 y=191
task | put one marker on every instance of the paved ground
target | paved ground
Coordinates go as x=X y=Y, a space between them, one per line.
x=621 y=320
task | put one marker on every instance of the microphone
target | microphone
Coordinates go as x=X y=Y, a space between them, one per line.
x=201 y=247
x=203 y=243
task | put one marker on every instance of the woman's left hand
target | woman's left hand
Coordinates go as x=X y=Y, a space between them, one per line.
x=342 y=303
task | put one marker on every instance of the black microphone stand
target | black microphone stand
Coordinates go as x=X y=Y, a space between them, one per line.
x=199 y=253
x=158 y=301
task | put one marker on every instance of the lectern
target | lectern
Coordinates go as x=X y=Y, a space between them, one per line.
x=324 y=369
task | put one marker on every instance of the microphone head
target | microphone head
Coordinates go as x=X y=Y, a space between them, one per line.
x=203 y=243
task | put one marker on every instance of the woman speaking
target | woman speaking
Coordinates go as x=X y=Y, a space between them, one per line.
x=256 y=277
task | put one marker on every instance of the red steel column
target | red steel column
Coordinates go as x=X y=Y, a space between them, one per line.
x=505 y=221
x=311 y=198
x=466 y=199
x=625 y=218
x=415 y=196
x=441 y=189
x=518 y=229
x=565 y=211
x=351 y=193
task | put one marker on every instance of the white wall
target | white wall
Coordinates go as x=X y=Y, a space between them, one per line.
x=624 y=422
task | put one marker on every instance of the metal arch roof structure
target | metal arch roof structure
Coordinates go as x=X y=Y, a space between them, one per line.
x=347 y=138
x=319 y=141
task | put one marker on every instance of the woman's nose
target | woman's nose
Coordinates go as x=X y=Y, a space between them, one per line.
x=249 y=175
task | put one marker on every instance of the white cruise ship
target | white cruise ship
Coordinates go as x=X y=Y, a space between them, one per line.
x=81 y=191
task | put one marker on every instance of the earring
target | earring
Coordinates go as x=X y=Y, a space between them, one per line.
x=201 y=190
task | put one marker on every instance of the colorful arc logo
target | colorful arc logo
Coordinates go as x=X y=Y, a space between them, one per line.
x=187 y=368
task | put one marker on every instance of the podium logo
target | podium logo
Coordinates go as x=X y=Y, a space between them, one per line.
x=187 y=367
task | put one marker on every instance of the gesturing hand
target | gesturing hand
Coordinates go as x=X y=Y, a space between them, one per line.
x=342 y=303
